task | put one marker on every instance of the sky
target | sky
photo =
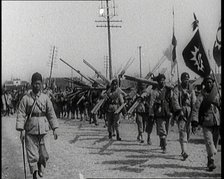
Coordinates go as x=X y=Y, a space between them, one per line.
x=30 y=29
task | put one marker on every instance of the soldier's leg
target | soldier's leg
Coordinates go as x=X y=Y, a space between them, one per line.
x=182 y=127
x=109 y=117
x=216 y=136
x=139 y=121
x=149 y=127
x=32 y=150
x=162 y=133
x=210 y=147
x=116 y=125
x=95 y=119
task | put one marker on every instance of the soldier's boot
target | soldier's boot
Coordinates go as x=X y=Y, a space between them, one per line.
x=184 y=155
x=149 y=140
x=163 y=144
x=118 y=136
x=35 y=175
x=40 y=169
x=141 y=138
x=211 y=166
x=110 y=135
x=183 y=148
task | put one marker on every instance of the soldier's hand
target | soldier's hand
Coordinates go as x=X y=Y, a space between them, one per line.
x=181 y=113
x=55 y=133
x=22 y=135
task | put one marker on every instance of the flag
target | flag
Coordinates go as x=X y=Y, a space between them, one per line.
x=217 y=47
x=195 y=57
x=174 y=60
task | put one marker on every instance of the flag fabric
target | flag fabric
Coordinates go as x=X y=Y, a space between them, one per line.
x=195 y=57
x=174 y=56
x=217 y=47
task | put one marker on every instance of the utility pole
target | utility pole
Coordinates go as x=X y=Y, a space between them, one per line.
x=53 y=56
x=106 y=65
x=140 y=61
x=108 y=17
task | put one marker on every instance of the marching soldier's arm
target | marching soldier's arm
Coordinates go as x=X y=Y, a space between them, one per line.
x=151 y=103
x=175 y=100
x=193 y=98
x=195 y=110
x=21 y=114
x=50 y=114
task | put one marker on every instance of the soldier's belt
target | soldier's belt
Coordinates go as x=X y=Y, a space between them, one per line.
x=38 y=115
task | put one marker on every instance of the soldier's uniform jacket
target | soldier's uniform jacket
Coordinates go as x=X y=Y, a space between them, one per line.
x=206 y=112
x=183 y=99
x=115 y=99
x=159 y=102
x=42 y=118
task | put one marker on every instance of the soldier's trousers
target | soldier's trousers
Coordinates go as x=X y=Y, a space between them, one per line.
x=113 y=121
x=33 y=143
x=211 y=137
x=149 y=124
x=161 y=127
x=184 y=133
x=140 y=123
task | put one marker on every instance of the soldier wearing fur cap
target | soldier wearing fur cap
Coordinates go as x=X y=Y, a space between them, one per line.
x=159 y=109
x=36 y=116
x=183 y=100
x=207 y=114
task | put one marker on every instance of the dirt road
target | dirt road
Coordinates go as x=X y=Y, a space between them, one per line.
x=84 y=151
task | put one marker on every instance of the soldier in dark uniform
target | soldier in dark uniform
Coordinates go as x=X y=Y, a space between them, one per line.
x=114 y=100
x=140 y=111
x=183 y=101
x=207 y=114
x=159 y=109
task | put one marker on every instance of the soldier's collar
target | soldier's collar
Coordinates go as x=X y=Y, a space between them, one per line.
x=35 y=95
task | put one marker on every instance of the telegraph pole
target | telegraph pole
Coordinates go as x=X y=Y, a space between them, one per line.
x=140 y=61
x=108 y=17
x=52 y=64
x=106 y=65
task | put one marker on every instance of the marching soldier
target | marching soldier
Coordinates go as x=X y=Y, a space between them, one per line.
x=159 y=109
x=114 y=100
x=34 y=119
x=207 y=114
x=183 y=101
x=140 y=111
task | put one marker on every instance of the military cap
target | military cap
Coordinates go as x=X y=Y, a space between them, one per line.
x=184 y=76
x=114 y=82
x=159 y=77
x=36 y=76
x=209 y=77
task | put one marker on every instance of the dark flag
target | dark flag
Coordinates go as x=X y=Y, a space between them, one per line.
x=195 y=57
x=217 y=47
x=174 y=56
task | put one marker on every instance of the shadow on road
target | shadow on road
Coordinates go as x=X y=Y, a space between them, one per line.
x=176 y=166
x=194 y=174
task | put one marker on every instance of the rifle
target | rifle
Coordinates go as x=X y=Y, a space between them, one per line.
x=138 y=100
x=97 y=72
x=77 y=71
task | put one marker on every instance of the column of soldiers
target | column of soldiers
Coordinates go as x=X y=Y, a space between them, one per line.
x=156 y=106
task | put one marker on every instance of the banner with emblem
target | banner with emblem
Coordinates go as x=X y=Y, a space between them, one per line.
x=195 y=57
x=217 y=47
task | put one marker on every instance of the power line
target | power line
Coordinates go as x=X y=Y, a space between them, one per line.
x=108 y=20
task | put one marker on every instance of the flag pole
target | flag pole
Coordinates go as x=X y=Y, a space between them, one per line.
x=178 y=79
